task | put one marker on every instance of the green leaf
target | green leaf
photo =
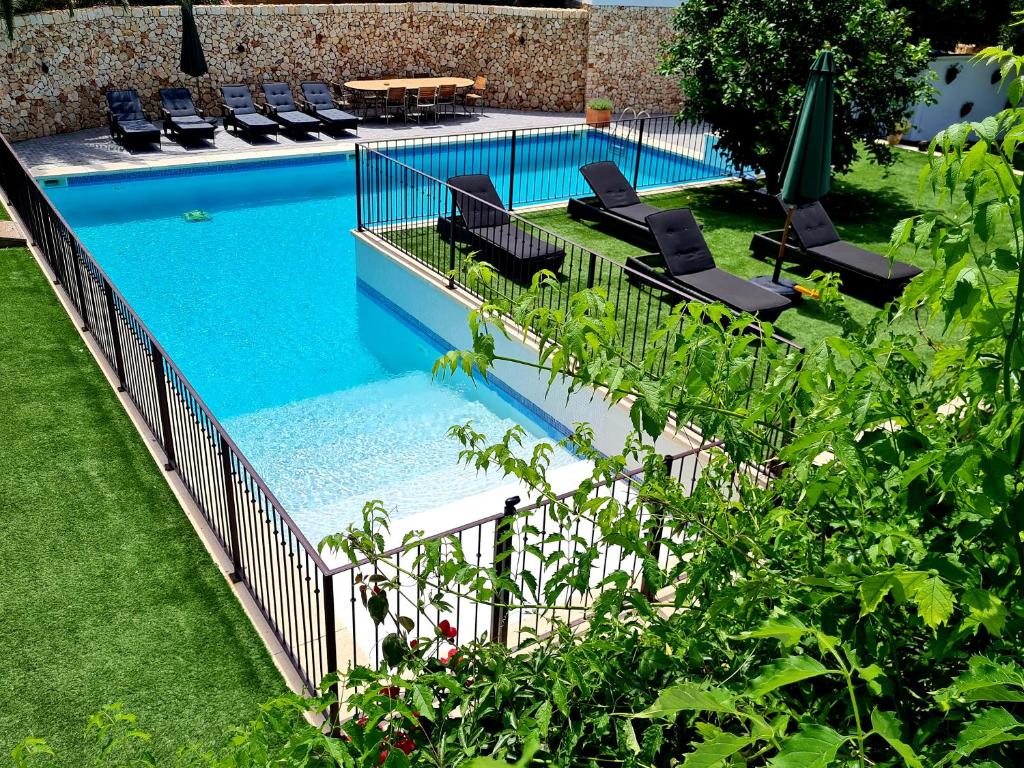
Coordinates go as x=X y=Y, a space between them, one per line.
x=530 y=748
x=934 y=601
x=873 y=590
x=791 y=669
x=788 y=630
x=985 y=680
x=813 y=746
x=711 y=752
x=423 y=701
x=689 y=697
x=993 y=726
x=986 y=610
x=889 y=728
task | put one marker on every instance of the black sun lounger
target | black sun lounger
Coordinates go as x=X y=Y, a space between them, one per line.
x=691 y=268
x=486 y=227
x=317 y=101
x=129 y=124
x=241 y=114
x=813 y=240
x=181 y=118
x=616 y=204
x=282 y=108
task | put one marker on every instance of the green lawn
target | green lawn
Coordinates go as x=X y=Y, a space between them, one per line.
x=864 y=205
x=107 y=594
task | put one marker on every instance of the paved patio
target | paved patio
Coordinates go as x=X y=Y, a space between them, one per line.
x=94 y=150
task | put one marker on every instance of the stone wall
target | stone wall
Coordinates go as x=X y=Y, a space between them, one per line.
x=624 y=45
x=53 y=74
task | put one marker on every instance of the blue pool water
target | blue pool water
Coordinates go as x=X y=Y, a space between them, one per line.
x=325 y=388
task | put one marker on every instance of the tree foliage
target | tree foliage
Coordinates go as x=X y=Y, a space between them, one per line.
x=742 y=66
x=944 y=23
x=862 y=608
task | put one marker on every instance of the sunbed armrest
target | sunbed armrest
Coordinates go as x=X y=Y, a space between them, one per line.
x=226 y=110
x=640 y=270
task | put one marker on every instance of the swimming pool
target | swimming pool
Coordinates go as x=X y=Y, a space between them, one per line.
x=323 y=383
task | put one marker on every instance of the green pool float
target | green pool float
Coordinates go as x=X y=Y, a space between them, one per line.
x=197 y=216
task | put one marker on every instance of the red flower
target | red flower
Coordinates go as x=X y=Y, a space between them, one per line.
x=362 y=721
x=414 y=644
x=391 y=691
x=404 y=742
x=383 y=757
x=453 y=657
x=447 y=630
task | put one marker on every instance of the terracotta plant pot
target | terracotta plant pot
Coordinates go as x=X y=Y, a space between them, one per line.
x=599 y=118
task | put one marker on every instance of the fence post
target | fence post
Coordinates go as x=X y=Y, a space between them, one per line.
x=639 y=147
x=232 y=510
x=331 y=639
x=115 y=335
x=512 y=173
x=502 y=555
x=658 y=533
x=78 y=287
x=591 y=269
x=359 y=191
x=164 y=406
x=451 y=239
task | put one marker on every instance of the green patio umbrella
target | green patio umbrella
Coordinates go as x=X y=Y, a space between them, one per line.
x=807 y=169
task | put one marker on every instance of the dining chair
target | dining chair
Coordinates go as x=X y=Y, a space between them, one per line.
x=474 y=98
x=426 y=102
x=394 y=101
x=446 y=99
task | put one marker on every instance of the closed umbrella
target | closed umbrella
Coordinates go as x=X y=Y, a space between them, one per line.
x=807 y=169
x=193 y=60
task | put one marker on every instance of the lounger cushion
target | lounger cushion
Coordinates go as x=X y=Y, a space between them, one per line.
x=476 y=214
x=734 y=291
x=192 y=124
x=125 y=105
x=851 y=257
x=138 y=127
x=337 y=117
x=610 y=186
x=638 y=212
x=519 y=243
x=279 y=97
x=238 y=100
x=318 y=94
x=680 y=241
x=255 y=121
x=813 y=226
x=298 y=119
x=177 y=102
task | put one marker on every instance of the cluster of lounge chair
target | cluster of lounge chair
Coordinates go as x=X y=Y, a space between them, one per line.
x=683 y=262
x=184 y=121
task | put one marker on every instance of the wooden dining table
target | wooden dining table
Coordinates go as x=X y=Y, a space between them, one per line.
x=409 y=83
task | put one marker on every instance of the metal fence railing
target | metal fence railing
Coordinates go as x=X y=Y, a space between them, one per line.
x=540 y=165
x=420 y=215
x=311 y=606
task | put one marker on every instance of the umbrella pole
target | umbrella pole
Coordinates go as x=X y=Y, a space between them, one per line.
x=782 y=244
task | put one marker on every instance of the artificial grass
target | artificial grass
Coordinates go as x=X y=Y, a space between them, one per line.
x=865 y=205
x=107 y=594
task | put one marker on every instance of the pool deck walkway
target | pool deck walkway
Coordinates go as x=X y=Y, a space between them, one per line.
x=93 y=150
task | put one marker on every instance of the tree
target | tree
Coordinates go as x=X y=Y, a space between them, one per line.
x=742 y=66
x=944 y=23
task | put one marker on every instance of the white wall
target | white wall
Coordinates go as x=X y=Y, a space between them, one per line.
x=972 y=84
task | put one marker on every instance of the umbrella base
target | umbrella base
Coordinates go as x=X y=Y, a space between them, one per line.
x=784 y=287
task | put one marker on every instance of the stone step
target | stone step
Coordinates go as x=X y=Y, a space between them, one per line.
x=11 y=235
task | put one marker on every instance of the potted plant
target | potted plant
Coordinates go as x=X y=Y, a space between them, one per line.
x=898 y=130
x=599 y=113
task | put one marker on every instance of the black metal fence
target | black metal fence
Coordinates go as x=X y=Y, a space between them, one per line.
x=540 y=165
x=311 y=606
x=419 y=214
